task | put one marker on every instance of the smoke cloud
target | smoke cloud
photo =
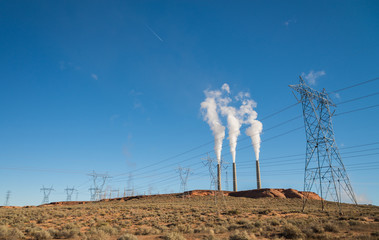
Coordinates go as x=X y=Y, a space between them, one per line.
x=254 y=132
x=250 y=117
x=233 y=119
x=210 y=113
x=218 y=101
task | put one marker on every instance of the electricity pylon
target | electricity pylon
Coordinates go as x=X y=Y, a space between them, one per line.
x=69 y=192
x=225 y=166
x=183 y=174
x=7 y=198
x=46 y=194
x=211 y=163
x=114 y=191
x=130 y=189
x=324 y=169
x=93 y=192
x=98 y=184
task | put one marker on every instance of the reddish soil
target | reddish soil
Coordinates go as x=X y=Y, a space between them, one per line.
x=256 y=193
x=275 y=193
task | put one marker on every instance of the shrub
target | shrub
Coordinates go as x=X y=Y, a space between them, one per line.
x=317 y=228
x=14 y=234
x=108 y=229
x=174 y=236
x=147 y=231
x=233 y=212
x=329 y=227
x=95 y=234
x=275 y=222
x=67 y=231
x=258 y=224
x=292 y=232
x=184 y=228
x=241 y=236
x=220 y=229
x=40 y=234
x=210 y=235
x=128 y=236
x=3 y=232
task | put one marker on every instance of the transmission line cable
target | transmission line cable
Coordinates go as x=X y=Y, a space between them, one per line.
x=210 y=142
x=356 y=110
x=355 y=85
x=358 y=98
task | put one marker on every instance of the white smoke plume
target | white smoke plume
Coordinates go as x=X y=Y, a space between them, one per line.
x=216 y=102
x=255 y=129
x=210 y=113
x=233 y=119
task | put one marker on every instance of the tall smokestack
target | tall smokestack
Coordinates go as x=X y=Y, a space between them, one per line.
x=210 y=113
x=234 y=177
x=218 y=177
x=254 y=132
x=234 y=119
x=258 y=174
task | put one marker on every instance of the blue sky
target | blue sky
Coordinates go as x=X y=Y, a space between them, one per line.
x=116 y=87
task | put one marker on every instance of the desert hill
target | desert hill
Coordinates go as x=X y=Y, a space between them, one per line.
x=256 y=193
x=197 y=214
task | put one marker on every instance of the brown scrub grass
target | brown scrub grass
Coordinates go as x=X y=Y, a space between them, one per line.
x=195 y=217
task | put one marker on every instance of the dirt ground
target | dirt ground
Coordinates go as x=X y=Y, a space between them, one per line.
x=269 y=214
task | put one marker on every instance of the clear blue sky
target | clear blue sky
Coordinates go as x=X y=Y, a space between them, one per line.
x=115 y=86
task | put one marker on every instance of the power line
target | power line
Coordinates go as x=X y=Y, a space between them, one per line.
x=271 y=115
x=358 y=98
x=356 y=110
x=205 y=144
x=239 y=140
x=355 y=85
x=264 y=160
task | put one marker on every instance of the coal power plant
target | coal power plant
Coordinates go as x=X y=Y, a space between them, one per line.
x=219 y=104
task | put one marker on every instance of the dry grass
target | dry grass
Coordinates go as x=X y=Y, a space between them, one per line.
x=168 y=217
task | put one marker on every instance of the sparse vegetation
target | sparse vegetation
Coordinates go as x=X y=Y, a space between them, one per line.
x=128 y=236
x=196 y=217
x=174 y=236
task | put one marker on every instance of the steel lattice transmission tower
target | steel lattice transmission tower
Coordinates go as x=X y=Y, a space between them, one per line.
x=225 y=166
x=69 y=192
x=324 y=169
x=7 y=198
x=183 y=175
x=98 y=185
x=46 y=194
x=211 y=164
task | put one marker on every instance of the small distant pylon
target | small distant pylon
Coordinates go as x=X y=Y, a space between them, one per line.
x=93 y=192
x=7 y=198
x=46 y=194
x=225 y=166
x=130 y=188
x=99 y=181
x=183 y=174
x=69 y=192
x=211 y=164
x=114 y=191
